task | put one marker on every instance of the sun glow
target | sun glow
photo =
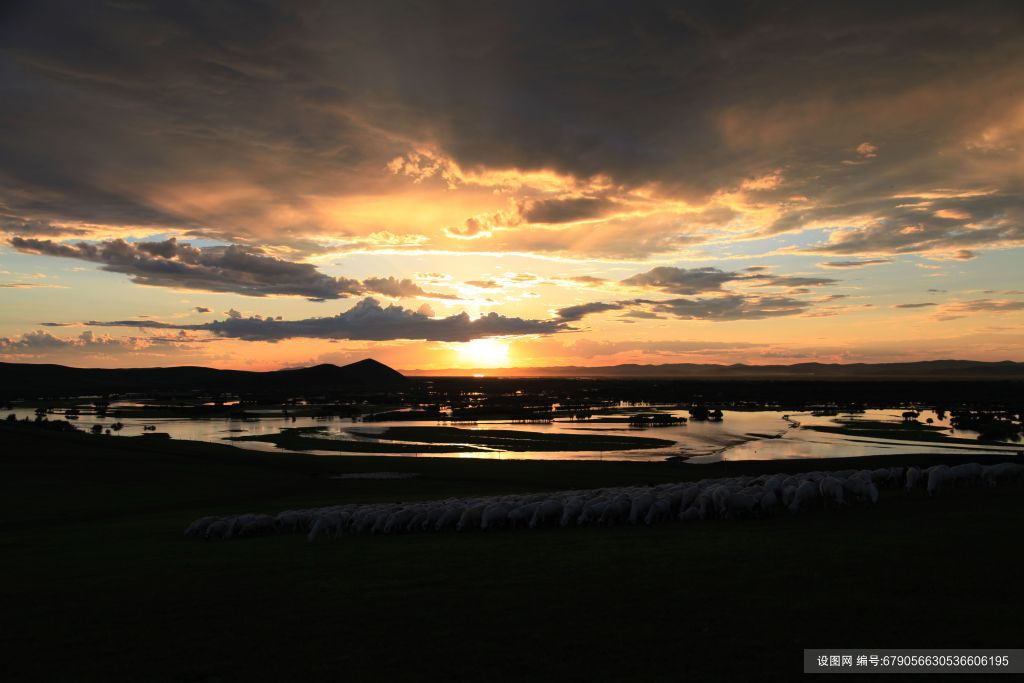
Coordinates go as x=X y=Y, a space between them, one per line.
x=484 y=353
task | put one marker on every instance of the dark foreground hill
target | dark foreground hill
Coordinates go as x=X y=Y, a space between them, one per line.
x=33 y=380
x=95 y=564
x=925 y=370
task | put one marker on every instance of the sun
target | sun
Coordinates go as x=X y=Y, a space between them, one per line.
x=484 y=353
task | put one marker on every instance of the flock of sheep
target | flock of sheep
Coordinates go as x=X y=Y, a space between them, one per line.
x=722 y=498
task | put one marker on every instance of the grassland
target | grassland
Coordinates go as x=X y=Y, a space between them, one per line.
x=520 y=440
x=903 y=431
x=305 y=439
x=100 y=585
x=453 y=440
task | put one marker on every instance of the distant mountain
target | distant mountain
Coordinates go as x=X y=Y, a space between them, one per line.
x=932 y=370
x=29 y=379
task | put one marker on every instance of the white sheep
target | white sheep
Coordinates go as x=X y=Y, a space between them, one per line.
x=914 y=477
x=805 y=496
x=450 y=518
x=739 y=504
x=494 y=516
x=546 y=512
x=939 y=477
x=617 y=510
x=967 y=473
x=660 y=509
x=992 y=474
x=720 y=495
x=572 y=510
x=788 y=494
x=882 y=477
x=641 y=504
x=363 y=520
x=289 y=521
x=256 y=525
x=831 y=489
x=216 y=530
x=340 y=521
x=689 y=495
x=198 y=527
x=707 y=499
x=859 y=487
x=592 y=510
x=705 y=505
x=397 y=521
x=232 y=527
x=769 y=502
x=520 y=516
x=380 y=519
x=319 y=528
x=690 y=514
x=471 y=517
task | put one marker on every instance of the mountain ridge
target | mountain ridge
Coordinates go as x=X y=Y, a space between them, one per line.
x=51 y=379
x=954 y=368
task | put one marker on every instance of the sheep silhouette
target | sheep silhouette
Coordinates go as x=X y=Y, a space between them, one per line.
x=714 y=498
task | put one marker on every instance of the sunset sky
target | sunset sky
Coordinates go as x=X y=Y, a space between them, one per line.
x=473 y=185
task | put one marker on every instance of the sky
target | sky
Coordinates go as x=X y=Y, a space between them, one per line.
x=465 y=185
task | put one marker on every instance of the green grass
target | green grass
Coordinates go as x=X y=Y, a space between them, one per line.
x=100 y=585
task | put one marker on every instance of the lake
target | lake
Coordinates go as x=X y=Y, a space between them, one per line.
x=741 y=435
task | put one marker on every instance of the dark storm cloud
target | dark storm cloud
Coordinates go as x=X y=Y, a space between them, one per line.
x=404 y=288
x=118 y=102
x=720 y=308
x=683 y=280
x=565 y=210
x=987 y=305
x=855 y=264
x=33 y=341
x=793 y=281
x=588 y=280
x=913 y=224
x=699 y=280
x=216 y=269
x=18 y=226
x=367 y=320
x=29 y=285
x=234 y=268
x=43 y=342
x=574 y=313
x=647 y=92
x=730 y=307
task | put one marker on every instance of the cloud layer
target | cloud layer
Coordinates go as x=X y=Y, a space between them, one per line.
x=630 y=161
x=233 y=268
x=367 y=320
x=698 y=280
x=625 y=130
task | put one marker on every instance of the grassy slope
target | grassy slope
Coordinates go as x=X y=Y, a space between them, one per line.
x=101 y=586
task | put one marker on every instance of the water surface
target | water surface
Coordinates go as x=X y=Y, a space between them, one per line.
x=741 y=435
